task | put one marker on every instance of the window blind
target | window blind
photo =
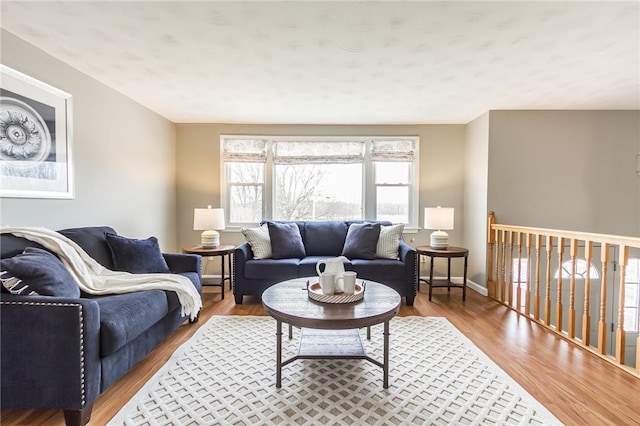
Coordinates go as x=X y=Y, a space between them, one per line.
x=318 y=152
x=245 y=150
x=393 y=150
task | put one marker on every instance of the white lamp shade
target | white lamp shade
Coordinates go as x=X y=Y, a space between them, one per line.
x=208 y=219
x=440 y=218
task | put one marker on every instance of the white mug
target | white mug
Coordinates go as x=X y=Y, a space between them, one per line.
x=349 y=282
x=327 y=282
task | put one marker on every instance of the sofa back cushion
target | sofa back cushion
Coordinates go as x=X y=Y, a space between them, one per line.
x=93 y=240
x=10 y=245
x=324 y=238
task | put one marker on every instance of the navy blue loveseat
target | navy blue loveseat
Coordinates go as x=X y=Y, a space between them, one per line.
x=322 y=240
x=61 y=353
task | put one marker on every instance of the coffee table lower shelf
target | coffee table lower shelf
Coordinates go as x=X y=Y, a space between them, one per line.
x=331 y=344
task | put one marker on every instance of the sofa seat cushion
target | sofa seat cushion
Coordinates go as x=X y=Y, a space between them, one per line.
x=123 y=317
x=276 y=269
x=307 y=266
x=380 y=270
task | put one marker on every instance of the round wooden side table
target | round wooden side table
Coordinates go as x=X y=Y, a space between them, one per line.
x=448 y=253
x=222 y=251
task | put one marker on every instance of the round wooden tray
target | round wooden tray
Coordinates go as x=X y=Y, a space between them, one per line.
x=315 y=293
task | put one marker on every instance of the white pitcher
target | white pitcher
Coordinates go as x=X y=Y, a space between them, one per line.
x=335 y=265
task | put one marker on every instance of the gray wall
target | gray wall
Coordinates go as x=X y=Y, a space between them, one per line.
x=475 y=196
x=123 y=157
x=198 y=175
x=572 y=170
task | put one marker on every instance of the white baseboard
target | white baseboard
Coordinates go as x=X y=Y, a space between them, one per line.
x=458 y=280
x=208 y=279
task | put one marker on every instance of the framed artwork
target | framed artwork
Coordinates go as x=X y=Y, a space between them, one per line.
x=35 y=138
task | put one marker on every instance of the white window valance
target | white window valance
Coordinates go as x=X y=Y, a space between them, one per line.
x=318 y=152
x=393 y=150
x=245 y=150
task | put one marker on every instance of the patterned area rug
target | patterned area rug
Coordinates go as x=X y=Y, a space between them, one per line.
x=225 y=375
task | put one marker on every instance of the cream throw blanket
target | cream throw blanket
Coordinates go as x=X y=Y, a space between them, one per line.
x=93 y=278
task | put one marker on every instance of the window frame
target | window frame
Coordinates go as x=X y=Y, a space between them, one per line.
x=231 y=184
x=368 y=179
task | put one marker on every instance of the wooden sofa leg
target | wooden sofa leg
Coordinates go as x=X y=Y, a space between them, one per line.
x=78 y=417
x=238 y=298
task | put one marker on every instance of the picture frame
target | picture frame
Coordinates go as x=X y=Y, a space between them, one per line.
x=35 y=138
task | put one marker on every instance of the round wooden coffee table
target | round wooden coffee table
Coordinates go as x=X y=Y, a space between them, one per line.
x=289 y=303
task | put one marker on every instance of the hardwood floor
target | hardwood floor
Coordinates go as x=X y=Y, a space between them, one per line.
x=576 y=386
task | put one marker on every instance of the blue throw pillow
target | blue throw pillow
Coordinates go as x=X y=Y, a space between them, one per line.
x=136 y=256
x=361 y=241
x=37 y=272
x=286 y=241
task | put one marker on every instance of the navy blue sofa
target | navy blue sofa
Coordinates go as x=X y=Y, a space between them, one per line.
x=61 y=353
x=322 y=240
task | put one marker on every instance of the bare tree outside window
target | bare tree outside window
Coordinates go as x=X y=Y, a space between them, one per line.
x=317 y=191
x=245 y=191
x=297 y=188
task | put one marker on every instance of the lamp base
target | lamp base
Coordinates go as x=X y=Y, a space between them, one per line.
x=210 y=239
x=439 y=240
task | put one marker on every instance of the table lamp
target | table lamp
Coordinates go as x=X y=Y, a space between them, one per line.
x=439 y=218
x=208 y=220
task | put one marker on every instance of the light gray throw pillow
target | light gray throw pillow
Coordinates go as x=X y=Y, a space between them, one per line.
x=259 y=240
x=389 y=241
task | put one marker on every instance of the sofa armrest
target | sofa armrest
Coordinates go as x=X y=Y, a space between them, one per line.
x=241 y=254
x=183 y=262
x=50 y=352
x=406 y=253
x=408 y=256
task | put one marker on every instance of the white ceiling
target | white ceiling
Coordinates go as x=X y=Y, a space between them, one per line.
x=345 y=62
